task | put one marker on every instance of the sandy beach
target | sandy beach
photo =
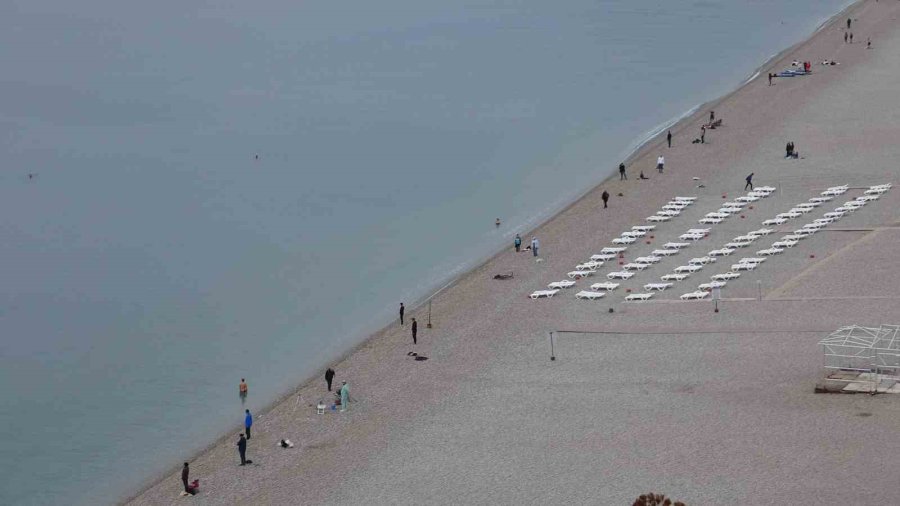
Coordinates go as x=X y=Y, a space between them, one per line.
x=665 y=396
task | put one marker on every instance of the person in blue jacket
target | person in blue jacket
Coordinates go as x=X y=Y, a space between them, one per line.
x=248 y=422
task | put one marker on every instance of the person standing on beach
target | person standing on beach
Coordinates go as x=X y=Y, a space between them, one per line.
x=329 y=376
x=242 y=390
x=848 y=23
x=846 y=35
x=535 y=244
x=185 y=473
x=248 y=422
x=703 y=134
x=660 y=163
x=242 y=449
x=517 y=242
x=712 y=116
x=669 y=138
x=770 y=79
x=345 y=390
x=415 y=330
x=749 y=182
x=622 y=172
x=605 y=197
x=851 y=37
x=402 y=310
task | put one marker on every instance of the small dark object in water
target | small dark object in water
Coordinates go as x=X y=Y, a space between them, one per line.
x=507 y=275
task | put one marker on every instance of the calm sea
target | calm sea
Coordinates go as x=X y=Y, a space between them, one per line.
x=195 y=192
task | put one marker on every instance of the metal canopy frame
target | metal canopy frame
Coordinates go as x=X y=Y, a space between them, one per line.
x=864 y=349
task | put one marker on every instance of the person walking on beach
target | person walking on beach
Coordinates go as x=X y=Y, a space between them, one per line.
x=712 y=116
x=185 y=473
x=789 y=150
x=846 y=35
x=329 y=376
x=749 y=180
x=402 y=310
x=669 y=138
x=242 y=390
x=415 y=330
x=660 y=163
x=535 y=244
x=622 y=172
x=345 y=391
x=605 y=197
x=242 y=450
x=517 y=242
x=848 y=23
x=703 y=134
x=770 y=79
x=248 y=422
x=851 y=37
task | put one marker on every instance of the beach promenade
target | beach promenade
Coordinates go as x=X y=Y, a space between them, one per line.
x=663 y=396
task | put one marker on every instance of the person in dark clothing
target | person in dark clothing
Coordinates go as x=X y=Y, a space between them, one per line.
x=402 y=310
x=848 y=23
x=712 y=116
x=622 y=172
x=415 y=329
x=846 y=35
x=517 y=242
x=749 y=182
x=703 y=135
x=851 y=37
x=242 y=450
x=669 y=138
x=605 y=197
x=770 y=79
x=642 y=176
x=185 y=472
x=329 y=376
x=788 y=150
x=248 y=422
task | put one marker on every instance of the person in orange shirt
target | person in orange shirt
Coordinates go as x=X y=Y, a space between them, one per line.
x=242 y=390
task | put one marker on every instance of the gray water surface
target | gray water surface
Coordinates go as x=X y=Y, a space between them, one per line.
x=152 y=260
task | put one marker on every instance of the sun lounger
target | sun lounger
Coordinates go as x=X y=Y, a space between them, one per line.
x=809 y=205
x=723 y=252
x=788 y=215
x=620 y=275
x=673 y=207
x=613 y=250
x=804 y=232
x=648 y=260
x=800 y=210
x=827 y=221
x=685 y=199
x=589 y=295
x=580 y=274
x=666 y=212
x=743 y=267
x=664 y=252
x=710 y=221
x=770 y=251
x=834 y=214
x=735 y=244
x=815 y=226
x=745 y=238
x=868 y=198
x=875 y=191
x=711 y=285
x=638 y=297
x=769 y=189
x=589 y=266
x=658 y=218
x=657 y=286
x=634 y=266
x=604 y=257
x=605 y=286
x=698 y=231
x=675 y=276
x=676 y=245
x=792 y=237
x=624 y=240
x=833 y=193
x=543 y=293
x=784 y=244
x=634 y=233
x=691 y=237
x=701 y=260
x=681 y=269
x=747 y=198
x=760 y=232
x=820 y=200
x=557 y=285
x=774 y=221
x=717 y=215
x=725 y=276
x=698 y=295
x=751 y=260
x=728 y=210
x=733 y=203
x=643 y=228
x=759 y=194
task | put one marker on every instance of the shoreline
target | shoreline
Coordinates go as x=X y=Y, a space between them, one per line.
x=643 y=150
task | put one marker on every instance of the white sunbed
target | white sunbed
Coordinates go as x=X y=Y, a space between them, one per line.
x=751 y=260
x=644 y=228
x=875 y=191
x=657 y=286
x=634 y=297
x=698 y=295
x=760 y=232
x=580 y=274
x=686 y=199
x=734 y=203
x=613 y=250
x=676 y=245
x=698 y=231
x=723 y=252
x=664 y=252
x=834 y=214
x=584 y=294
x=770 y=251
x=868 y=198
x=589 y=266
x=710 y=221
x=833 y=193
x=691 y=237
x=769 y=189
x=543 y=293
x=717 y=215
x=827 y=221
x=809 y=205
x=669 y=213
x=634 y=266
x=634 y=233
x=711 y=285
x=648 y=260
x=774 y=221
x=624 y=240
x=759 y=193
x=605 y=286
x=801 y=210
x=620 y=275
x=743 y=267
x=701 y=260
x=784 y=244
x=725 y=276
x=745 y=238
x=747 y=198
x=788 y=215
x=681 y=269
x=792 y=237
x=658 y=218
x=815 y=226
x=728 y=210
x=673 y=207
x=557 y=285
x=804 y=232
x=675 y=277
x=735 y=244
x=820 y=200
x=604 y=257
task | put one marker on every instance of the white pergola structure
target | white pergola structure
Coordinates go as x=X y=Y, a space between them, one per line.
x=873 y=350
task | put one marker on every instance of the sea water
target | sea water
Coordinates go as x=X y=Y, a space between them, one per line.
x=196 y=192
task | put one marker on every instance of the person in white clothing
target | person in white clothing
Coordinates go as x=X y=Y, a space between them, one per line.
x=535 y=244
x=660 y=162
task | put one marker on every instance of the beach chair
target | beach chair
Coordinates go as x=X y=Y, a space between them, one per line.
x=669 y=213
x=834 y=214
x=735 y=244
x=728 y=210
x=638 y=297
x=800 y=210
x=658 y=218
x=580 y=274
x=809 y=205
x=585 y=295
x=634 y=233
x=643 y=228
x=769 y=189
x=675 y=276
x=689 y=200
x=804 y=232
x=698 y=295
x=770 y=251
x=717 y=215
x=792 y=237
x=725 y=276
x=745 y=238
x=784 y=244
x=691 y=237
x=709 y=286
x=701 y=260
x=557 y=285
x=613 y=250
x=734 y=203
x=620 y=275
x=589 y=266
x=760 y=232
x=698 y=231
x=774 y=221
x=624 y=240
x=603 y=257
x=681 y=269
x=635 y=266
x=657 y=286
x=751 y=260
x=868 y=198
x=834 y=192
x=875 y=191
x=821 y=200
x=673 y=207
x=722 y=252
x=815 y=226
x=758 y=194
x=648 y=260
x=710 y=221
x=747 y=198
x=743 y=267
x=605 y=286
x=543 y=293
x=664 y=252
x=827 y=221
x=788 y=215
x=676 y=245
